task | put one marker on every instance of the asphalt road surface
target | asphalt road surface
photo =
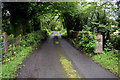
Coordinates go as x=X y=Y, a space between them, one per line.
x=44 y=62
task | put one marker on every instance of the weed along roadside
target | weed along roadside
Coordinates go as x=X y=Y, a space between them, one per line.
x=67 y=66
x=12 y=62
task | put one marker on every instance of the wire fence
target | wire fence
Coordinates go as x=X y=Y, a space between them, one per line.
x=5 y=42
x=14 y=41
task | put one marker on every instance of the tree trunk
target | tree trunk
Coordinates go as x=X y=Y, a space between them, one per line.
x=68 y=32
x=104 y=40
x=108 y=35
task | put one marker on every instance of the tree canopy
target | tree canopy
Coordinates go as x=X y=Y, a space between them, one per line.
x=23 y=18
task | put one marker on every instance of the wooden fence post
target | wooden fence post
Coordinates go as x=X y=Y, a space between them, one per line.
x=5 y=42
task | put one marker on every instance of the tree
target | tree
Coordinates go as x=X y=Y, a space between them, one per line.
x=118 y=19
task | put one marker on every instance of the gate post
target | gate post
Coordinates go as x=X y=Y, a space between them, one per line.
x=99 y=45
x=5 y=42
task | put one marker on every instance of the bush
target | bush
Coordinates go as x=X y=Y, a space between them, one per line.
x=63 y=32
x=33 y=38
x=115 y=40
x=108 y=46
x=87 y=42
x=11 y=36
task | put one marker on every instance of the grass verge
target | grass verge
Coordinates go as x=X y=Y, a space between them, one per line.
x=15 y=56
x=9 y=69
x=109 y=61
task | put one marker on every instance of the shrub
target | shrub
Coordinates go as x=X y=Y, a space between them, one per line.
x=86 y=42
x=115 y=40
x=11 y=36
x=108 y=46
x=63 y=33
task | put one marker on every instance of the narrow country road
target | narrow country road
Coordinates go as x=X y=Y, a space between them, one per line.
x=44 y=62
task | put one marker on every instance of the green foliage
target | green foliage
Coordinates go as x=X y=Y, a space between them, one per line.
x=11 y=36
x=11 y=64
x=108 y=46
x=86 y=28
x=15 y=56
x=63 y=32
x=33 y=38
x=99 y=27
x=1 y=39
x=87 y=42
x=108 y=60
x=73 y=15
x=115 y=40
x=83 y=16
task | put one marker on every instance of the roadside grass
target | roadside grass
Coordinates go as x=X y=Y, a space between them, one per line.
x=70 y=71
x=13 y=64
x=108 y=60
x=15 y=56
